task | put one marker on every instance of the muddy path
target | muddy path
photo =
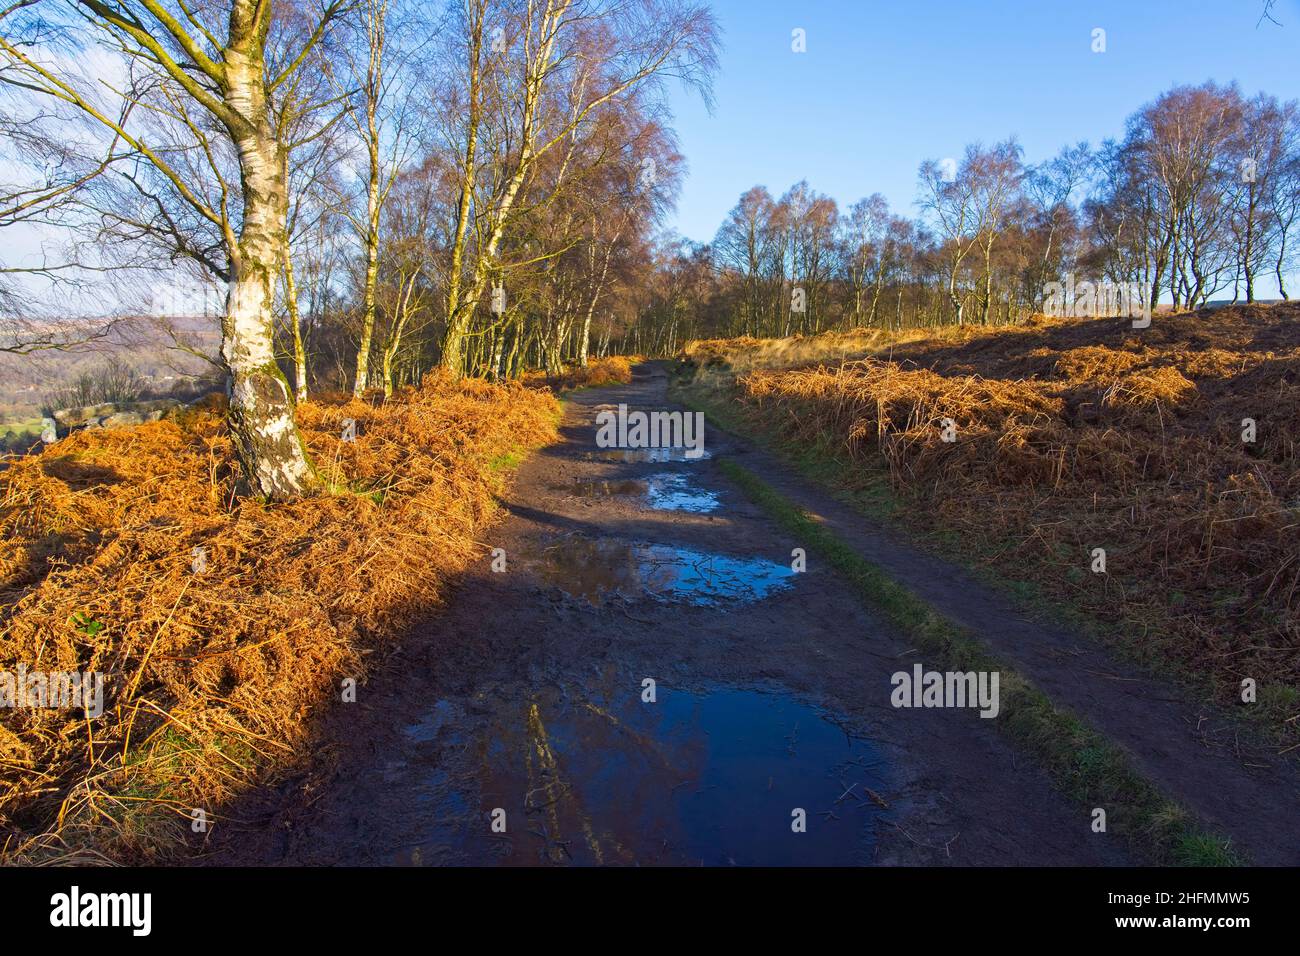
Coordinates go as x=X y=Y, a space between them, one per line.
x=771 y=694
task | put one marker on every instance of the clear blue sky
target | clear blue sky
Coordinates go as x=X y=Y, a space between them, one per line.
x=885 y=84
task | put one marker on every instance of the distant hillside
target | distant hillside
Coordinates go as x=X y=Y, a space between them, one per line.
x=162 y=351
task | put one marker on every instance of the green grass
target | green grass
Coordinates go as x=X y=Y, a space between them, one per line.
x=22 y=426
x=507 y=461
x=1084 y=764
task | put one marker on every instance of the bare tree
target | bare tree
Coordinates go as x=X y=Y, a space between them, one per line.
x=740 y=245
x=1283 y=196
x=1049 y=188
x=232 y=63
x=379 y=80
x=586 y=53
x=953 y=199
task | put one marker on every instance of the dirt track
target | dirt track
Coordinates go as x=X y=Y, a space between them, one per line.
x=772 y=693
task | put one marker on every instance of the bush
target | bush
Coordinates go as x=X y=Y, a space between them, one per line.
x=111 y=382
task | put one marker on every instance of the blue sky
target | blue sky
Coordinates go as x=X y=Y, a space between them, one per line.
x=885 y=84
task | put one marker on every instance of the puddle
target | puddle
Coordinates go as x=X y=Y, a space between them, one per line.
x=598 y=568
x=669 y=492
x=665 y=492
x=605 y=489
x=428 y=728
x=653 y=455
x=692 y=779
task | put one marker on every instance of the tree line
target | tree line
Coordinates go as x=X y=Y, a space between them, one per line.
x=1197 y=201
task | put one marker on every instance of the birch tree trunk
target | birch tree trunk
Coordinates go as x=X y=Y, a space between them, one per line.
x=584 y=342
x=453 y=343
x=374 y=205
x=295 y=326
x=956 y=300
x=400 y=318
x=261 y=409
x=368 y=300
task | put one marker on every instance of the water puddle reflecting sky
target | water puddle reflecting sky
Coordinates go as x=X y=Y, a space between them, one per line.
x=662 y=492
x=671 y=492
x=601 y=568
x=694 y=778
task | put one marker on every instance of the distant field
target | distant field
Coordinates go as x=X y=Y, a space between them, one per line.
x=146 y=344
x=19 y=426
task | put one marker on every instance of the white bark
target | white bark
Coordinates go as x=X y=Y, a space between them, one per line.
x=261 y=409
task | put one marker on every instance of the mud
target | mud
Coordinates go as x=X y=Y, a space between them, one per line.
x=651 y=685
x=598 y=489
